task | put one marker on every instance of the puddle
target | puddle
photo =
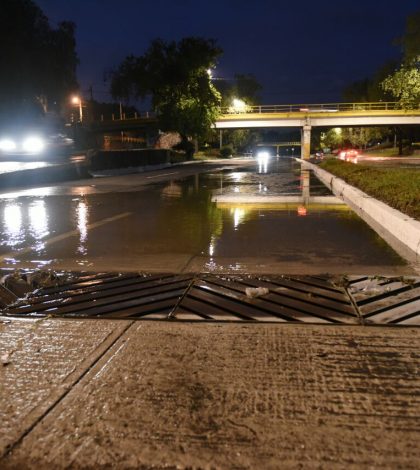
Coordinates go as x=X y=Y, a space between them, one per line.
x=164 y=225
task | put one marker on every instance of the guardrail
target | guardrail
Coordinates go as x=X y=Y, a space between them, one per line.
x=127 y=116
x=313 y=108
x=278 y=108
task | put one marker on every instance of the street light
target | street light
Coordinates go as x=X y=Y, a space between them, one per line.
x=239 y=106
x=77 y=101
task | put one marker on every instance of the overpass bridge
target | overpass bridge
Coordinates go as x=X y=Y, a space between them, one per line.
x=304 y=116
x=317 y=115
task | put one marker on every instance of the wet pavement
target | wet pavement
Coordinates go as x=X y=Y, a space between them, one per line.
x=168 y=222
x=153 y=395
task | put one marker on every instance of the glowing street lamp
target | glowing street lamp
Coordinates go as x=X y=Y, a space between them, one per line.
x=77 y=101
x=239 y=106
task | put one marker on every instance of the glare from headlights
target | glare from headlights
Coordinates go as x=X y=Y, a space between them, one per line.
x=263 y=155
x=7 y=145
x=262 y=159
x=33 y=145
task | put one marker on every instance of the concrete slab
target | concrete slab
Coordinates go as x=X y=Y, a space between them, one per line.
x=170 y=395
x=40 y=362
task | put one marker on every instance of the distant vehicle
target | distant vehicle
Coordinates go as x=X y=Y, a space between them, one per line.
x=32 y=143
x=318 y=156
x=348 y=155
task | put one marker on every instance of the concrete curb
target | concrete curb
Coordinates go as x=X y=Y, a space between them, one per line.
x=256 y=199
x=401 y=226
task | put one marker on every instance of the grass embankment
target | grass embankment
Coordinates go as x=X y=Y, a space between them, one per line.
x=397 y=187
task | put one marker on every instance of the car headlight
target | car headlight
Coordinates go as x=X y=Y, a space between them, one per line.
x=7 y=145
x=263 y=155
x=33 y=145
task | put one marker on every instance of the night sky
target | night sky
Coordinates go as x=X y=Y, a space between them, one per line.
x=300 y=51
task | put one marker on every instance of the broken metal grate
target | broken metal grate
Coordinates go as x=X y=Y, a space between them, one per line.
x=387 y=300
x=301 y=299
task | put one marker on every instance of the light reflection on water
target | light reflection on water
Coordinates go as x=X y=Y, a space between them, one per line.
x=82 y=211
x=238 y=216
x=13 y=224
x=26 y=223
x=38 y=223
x=179 y=217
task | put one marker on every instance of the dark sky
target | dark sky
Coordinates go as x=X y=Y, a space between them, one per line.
x=299 y=50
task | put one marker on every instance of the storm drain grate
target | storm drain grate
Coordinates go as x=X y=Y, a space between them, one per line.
x=302 y=299
x=387 y=300
x=298 y=299
x=112 y=295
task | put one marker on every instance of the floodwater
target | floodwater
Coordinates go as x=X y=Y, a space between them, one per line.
x=176 y=225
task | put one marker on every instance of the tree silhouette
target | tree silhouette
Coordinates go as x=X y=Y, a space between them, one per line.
x=37 y=63
x=175 y=77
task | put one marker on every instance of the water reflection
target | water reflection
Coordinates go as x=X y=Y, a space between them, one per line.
x=13 y=224
x=212 y=245
x=262 y=159
x=82 y=214
x=171 y=223
x=172 y=190
x=238 y=216
x=38 y=223
x=33 y=192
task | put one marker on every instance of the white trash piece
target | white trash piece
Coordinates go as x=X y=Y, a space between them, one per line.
x=256 y=291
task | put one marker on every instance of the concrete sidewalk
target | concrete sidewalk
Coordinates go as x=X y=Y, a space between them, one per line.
x=123 y=394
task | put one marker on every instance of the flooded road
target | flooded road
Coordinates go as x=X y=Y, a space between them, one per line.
x=167 y=222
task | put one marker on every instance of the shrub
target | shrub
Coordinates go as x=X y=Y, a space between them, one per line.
x=226 y=151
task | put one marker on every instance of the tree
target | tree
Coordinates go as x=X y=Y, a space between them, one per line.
x=404 y=83
x=40 y=61
x=175 y=76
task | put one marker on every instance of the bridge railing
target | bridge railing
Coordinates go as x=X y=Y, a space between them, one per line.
x=313 y=108
x=276 y=108
x=125 y=116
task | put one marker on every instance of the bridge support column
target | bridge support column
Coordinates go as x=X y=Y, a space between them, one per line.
x=306 y=143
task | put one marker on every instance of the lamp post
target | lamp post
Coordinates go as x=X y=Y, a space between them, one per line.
x=77 y=101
